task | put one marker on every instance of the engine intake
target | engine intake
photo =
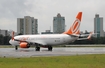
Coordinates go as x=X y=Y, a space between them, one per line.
x=24 y=45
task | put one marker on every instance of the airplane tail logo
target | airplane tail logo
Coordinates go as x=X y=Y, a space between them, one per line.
x=75 y=28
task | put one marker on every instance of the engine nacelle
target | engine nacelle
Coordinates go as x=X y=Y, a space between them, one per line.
x=24 y=45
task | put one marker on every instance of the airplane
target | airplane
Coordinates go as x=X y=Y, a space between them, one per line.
x=49 y=40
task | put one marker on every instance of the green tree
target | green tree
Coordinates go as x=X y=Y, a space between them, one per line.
x=93 y=40
x=1 y=39
x=6 y=40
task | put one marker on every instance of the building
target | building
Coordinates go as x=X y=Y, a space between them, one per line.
x=4 y=32
x=58 y=24
x=27 y=25
x=98 y=26
x=47 y=32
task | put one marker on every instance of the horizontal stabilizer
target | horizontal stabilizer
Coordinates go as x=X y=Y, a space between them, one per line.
x=89 y=36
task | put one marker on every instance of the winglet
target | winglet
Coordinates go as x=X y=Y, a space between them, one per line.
x=74 y=29
x=89 y=37
x=13 y=35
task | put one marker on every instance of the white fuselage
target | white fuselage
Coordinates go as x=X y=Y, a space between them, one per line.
x=45 y=39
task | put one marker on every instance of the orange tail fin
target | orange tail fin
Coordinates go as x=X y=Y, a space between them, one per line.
x=74 y=29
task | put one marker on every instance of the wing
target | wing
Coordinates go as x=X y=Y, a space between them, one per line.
x=40 y=42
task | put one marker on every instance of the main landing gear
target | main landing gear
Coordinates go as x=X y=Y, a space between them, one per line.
x=37 y=48
x=49 y=48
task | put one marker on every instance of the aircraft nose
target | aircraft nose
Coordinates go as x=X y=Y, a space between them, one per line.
x=10 y=41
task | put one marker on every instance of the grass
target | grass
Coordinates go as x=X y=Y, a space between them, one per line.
x=79 y=61
x=6 y=46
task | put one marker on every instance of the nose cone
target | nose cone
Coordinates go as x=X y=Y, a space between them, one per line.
x=12 y=42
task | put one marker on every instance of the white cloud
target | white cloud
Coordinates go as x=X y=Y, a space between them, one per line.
x=6 y=23
x=45 y=10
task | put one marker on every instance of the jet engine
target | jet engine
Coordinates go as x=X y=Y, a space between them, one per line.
x=24 y=45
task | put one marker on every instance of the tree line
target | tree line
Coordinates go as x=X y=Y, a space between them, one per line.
x=93 y=40
x=4 y=40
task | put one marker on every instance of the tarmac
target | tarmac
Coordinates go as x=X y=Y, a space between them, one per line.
x=63 y=51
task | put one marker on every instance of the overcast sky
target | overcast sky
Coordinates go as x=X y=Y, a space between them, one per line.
x=45 y=10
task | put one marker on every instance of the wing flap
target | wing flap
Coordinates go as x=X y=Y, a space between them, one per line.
x=37 y=42
x=33 y=42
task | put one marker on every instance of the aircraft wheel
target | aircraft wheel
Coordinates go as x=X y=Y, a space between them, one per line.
x=37 y=48
x=49 y=48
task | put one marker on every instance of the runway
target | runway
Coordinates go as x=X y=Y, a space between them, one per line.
x=11 y=52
